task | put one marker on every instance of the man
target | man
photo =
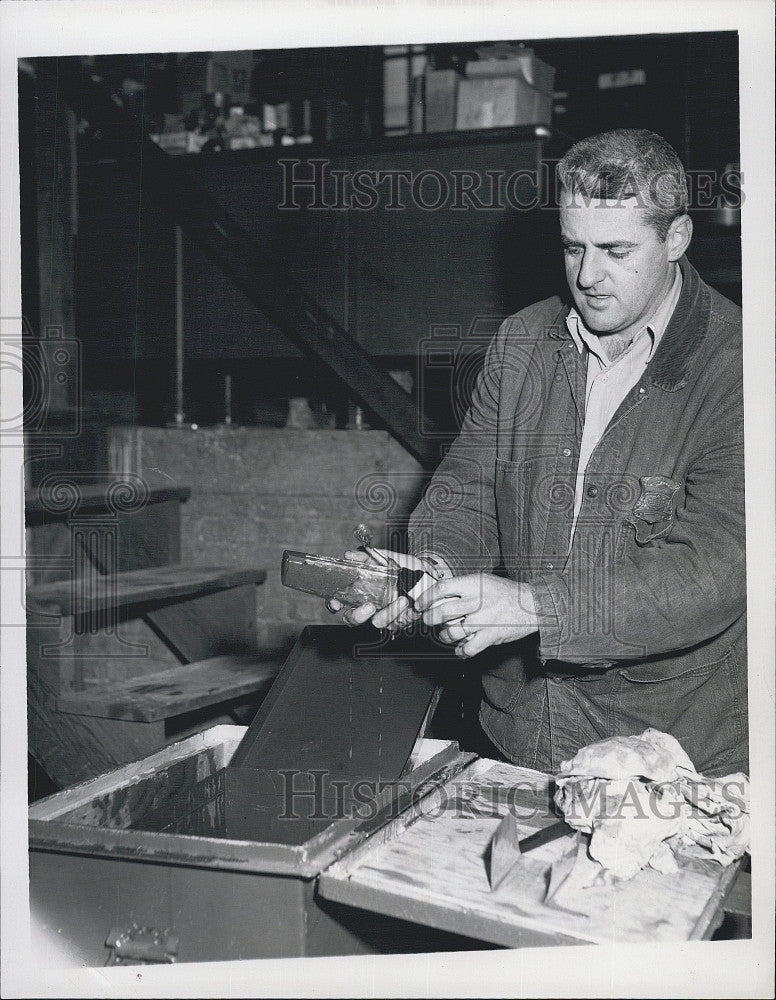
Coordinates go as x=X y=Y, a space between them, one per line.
x=600 y=471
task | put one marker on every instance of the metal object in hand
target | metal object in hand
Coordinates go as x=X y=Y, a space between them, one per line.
x=363 y=535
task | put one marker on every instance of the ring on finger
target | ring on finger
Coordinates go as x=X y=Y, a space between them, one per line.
x=466 y=630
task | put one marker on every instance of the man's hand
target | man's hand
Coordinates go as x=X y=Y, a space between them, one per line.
x=394 y=616
x=479 y=610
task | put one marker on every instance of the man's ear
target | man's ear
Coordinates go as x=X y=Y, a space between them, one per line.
x=678 y=237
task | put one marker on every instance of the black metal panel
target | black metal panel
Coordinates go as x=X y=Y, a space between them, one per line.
x=343 y=702
x=340 y=722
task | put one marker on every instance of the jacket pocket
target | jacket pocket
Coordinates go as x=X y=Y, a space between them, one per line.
x=702 y=705
x=512 y=488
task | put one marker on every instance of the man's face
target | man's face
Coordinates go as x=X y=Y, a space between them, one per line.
x=617 y=268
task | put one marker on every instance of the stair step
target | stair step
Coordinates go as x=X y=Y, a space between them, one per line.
x=152 y=697
x=148 y=587
x=48 y=504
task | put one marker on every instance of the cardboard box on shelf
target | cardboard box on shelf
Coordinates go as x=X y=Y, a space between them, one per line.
x=506 y=86
x=523 y=64
x=501 y=102
x=174 y=143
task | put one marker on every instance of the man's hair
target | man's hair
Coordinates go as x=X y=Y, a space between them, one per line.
x=627 y=163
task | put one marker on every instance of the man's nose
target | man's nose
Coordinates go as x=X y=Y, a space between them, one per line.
x=591 y=269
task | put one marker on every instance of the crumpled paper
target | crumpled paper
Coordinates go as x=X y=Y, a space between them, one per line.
x=641 y=800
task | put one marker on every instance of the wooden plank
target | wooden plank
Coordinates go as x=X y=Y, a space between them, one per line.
x=530 y=801
x=174 y=691
x=146 y=535
x=437 y=913
x=41 y=505
x=431 y=867
x=142 y=587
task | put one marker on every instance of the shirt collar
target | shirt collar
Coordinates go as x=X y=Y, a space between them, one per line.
x=655 y=327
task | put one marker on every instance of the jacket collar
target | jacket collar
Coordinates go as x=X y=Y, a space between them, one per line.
x=684 y=334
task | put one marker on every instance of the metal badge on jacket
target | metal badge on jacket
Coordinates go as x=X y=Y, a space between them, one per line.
x=654 y=506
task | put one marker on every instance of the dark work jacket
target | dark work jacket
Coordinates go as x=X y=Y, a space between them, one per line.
x=643 y=619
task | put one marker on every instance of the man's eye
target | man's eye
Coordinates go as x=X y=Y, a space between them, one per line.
x=571 y=250
x=618 y=254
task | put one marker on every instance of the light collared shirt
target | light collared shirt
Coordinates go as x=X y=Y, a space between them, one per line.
x=609 y=382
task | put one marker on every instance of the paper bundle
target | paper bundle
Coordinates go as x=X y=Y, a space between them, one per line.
x=641 y=800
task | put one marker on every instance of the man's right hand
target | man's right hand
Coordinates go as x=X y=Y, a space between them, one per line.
x=394 y=616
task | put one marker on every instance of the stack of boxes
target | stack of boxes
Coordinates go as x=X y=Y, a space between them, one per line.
x=218 y=111
x=505 y=87
x=213 y=89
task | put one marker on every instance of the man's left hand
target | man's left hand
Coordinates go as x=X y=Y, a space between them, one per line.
x=479 y=610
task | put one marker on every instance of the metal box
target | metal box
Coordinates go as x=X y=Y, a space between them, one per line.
x=212 y=849
x=96 y=876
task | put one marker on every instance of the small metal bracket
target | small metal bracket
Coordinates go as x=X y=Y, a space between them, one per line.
x=137 y=945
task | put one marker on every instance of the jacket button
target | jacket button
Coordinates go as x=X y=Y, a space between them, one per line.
x=642 y=390
x=592 y=491
x=567 y=452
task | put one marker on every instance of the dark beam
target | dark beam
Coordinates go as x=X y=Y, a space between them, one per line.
x=245 y=261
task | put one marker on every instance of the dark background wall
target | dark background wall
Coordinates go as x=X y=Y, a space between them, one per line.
x=390 y=277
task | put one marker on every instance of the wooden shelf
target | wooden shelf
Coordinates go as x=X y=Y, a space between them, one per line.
x=383 y=144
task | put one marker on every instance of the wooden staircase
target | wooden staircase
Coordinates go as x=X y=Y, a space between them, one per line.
x=120 y=661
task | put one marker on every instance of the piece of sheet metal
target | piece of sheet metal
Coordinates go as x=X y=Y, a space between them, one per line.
x=506 y=847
